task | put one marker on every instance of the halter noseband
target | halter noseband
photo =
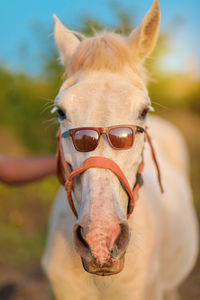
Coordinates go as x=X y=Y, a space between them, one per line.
x=104 y=163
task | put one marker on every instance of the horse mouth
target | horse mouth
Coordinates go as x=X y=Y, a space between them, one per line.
x=105 y=270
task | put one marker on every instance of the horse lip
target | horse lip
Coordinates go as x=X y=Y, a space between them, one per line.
x=105 y=271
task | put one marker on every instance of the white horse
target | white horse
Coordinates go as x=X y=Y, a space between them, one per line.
x=106 y=86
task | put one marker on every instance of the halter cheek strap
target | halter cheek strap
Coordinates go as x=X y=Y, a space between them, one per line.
x=98 y=162
x=154 y=159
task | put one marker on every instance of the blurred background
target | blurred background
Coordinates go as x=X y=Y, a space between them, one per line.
x=30 y=77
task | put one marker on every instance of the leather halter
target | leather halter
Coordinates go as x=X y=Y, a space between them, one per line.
x=104 y=163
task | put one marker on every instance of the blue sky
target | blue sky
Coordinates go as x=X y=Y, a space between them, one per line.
x=19 y=17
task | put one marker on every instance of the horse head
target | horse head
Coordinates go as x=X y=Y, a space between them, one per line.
x=105 y=88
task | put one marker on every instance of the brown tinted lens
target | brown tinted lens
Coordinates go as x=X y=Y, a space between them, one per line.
x=121 y=137
x=85 y=140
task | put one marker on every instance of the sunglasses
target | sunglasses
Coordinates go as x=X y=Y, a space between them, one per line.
x=86 y=139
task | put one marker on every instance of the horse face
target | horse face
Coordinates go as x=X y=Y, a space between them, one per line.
x=105 y=88
x=101 y=99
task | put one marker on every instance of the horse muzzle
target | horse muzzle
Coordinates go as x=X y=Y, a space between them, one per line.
x=102 y=249
x=114 y=266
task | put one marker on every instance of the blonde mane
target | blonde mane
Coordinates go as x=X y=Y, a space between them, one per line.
x=104 y=51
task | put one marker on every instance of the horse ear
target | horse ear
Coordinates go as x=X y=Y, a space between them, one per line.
x=66 y=41
x=143 y=39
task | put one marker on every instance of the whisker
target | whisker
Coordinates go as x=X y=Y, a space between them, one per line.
x=48 y=99
x=53 y=123
x=46 y=104
x=163 y=106
x=46 y=107
x=50 y=120
x=49 y=104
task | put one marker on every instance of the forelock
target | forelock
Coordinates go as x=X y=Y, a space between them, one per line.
x=104 y=51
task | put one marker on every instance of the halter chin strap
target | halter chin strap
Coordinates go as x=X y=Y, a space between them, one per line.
x=104 y=163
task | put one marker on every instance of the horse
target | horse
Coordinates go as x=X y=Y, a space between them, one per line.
x=98 y=246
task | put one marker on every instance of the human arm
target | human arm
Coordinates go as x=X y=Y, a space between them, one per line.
x=24 y=170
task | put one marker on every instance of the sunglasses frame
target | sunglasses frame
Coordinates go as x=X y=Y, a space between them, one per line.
x=100 y=131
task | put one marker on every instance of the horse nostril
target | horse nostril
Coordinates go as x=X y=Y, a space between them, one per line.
x=81 y=245
x=121 y=241
x=81 y=238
